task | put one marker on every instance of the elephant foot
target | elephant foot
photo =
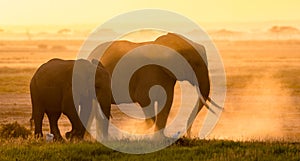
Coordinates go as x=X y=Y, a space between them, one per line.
x=188 y=134
x=74 y=134
x=38 y=135
x=58 y=138
x=159 y=136
x=68 y=134
x=149 y=123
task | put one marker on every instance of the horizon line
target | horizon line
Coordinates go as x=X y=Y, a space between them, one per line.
x=198 y=21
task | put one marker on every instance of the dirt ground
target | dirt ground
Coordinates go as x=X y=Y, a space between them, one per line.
x=263 y=90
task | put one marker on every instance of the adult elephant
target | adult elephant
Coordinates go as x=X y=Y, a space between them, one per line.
x=148 y=76
x=58 y=88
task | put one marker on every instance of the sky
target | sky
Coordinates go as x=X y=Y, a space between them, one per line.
x=58 y=12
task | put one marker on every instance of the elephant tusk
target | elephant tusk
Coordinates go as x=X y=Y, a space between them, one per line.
x=212 y=111
x=206 y=105
x=214 y=103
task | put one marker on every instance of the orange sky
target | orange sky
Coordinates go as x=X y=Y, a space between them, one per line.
x=28 y=12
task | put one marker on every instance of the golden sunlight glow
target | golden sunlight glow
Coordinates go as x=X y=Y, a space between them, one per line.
x=28 y=12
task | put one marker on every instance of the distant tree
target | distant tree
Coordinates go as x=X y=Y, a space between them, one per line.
x=28 y=34
x=283 y=30
x=225 y=34
x=64 y=31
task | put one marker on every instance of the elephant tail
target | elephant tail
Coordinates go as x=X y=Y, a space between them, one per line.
x=31 y=121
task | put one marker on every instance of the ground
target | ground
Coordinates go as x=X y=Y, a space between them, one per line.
x=262 y=103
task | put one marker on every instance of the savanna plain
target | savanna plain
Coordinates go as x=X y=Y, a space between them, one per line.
x=260 y=121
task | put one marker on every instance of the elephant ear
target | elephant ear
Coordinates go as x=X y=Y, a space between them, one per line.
x=97 y=63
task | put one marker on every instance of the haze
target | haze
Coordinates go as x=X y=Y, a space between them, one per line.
x=29 y=12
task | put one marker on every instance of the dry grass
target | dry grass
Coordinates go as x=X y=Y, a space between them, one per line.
x=262 y=82
x=14 y=130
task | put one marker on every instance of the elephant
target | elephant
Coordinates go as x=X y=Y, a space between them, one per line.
x=52 y=93
x=147 y=76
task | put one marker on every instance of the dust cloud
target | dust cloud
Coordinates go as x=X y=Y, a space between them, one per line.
x=257 y=111
x=261 y=110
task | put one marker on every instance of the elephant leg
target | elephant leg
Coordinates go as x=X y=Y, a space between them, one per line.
x=53 y=118
x=150 y=122
x=37 y=110
x=104 y=99
x=162 y=116
x=77 y=127
x=192 y=118
x=102 y=123
x=38 y=122
x=69 y=110
x=85 y=110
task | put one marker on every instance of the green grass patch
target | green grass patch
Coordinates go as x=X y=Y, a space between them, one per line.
x=31 y=149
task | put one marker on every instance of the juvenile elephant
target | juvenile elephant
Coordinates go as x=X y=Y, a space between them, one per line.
x=146 y=77
x=52 y=93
